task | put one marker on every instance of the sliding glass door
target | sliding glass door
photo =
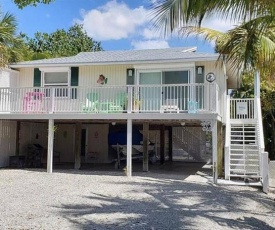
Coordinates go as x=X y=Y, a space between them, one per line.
x=162 y=89
x=150 y=94
x=173 y=94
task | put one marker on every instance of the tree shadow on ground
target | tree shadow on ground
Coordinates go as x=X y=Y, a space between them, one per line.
x=173 y=205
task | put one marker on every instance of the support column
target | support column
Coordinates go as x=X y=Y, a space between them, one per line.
x=214 y=150
x=170 y=144
x=77 y=148
x=145 y=146
x=162 y=144
x=17 y=147
x=220 y=154
x=50 y=146
x=129 y=147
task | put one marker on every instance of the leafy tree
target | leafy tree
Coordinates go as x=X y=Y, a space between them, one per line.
x=10 y=44
x=61 y=43
x=246 y=90
x=23 y=3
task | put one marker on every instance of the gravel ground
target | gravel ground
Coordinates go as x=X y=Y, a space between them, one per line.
x=69 y=199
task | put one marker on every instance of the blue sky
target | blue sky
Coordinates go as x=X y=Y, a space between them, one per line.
x=119 y=25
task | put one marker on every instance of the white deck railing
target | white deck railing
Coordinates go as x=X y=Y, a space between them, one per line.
x=192 y=98
x=242 y=108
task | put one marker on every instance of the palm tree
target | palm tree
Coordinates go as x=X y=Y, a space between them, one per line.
x=244 y=46
x=251 y=44
x=173 y=14
x=9 y=43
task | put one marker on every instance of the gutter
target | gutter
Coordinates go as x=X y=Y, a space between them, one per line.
x=215 y=58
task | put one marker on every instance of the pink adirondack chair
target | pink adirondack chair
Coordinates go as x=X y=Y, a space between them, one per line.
x=33 y=102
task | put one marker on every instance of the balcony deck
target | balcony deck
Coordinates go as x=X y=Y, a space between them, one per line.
x=140 y=102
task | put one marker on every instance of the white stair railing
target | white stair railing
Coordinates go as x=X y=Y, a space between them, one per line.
x=227 y=140
x=263 y=155
x=189 y=142
x=244 y=138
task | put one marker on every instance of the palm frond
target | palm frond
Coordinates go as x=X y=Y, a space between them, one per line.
x=169 y=15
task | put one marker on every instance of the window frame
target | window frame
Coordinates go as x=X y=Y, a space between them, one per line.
x=56 y=70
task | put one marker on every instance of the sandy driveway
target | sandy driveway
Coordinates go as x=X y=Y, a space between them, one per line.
x=71 y=199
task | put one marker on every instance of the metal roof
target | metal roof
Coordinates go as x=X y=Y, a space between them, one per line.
x=180 y=54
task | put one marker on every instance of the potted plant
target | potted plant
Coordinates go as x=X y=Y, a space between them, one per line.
x=136 y=104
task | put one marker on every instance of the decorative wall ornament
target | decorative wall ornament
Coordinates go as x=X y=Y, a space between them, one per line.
x=206 y=126
x=210 y=77
x=102 y=80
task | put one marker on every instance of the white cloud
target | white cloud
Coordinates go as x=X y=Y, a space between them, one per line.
x=150 y=33
x=113 y=21
x=218 y=24
x=150 y=44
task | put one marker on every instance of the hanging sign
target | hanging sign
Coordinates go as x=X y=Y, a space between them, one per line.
x=241 y=108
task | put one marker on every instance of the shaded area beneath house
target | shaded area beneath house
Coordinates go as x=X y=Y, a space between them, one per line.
x=173 y=170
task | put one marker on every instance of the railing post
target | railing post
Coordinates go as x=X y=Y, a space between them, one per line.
x=130 y=99
x=52 y=92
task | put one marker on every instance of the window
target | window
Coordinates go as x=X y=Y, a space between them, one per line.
x=59 y=79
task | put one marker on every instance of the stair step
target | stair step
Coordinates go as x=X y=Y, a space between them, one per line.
x=244 y=171
x=244 y=175
x=244 y=161
x=244 y=165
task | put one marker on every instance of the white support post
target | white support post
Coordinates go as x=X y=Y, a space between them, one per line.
x=257 y=84
x=129 y=147
x=215 y=150
x=265 y=172
x=50 y=146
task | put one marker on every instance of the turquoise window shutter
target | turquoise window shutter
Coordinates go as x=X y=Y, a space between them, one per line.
x=74 y=81
x=36 y=77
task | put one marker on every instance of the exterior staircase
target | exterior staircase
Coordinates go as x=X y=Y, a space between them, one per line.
x=190 y=143
x=244 y=139
x=244 y=157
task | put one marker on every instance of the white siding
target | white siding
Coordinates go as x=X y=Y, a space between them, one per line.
x=9 y=78
x=217 y=69
x=26 y=77
x=7 y=141
x=116 y=74
x=88 y=75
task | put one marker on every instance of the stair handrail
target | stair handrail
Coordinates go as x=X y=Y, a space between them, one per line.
x=227 y=140
x=262 y=158
x=260 y=123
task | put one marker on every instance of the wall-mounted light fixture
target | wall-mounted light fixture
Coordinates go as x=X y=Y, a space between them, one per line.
x=113 y=123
